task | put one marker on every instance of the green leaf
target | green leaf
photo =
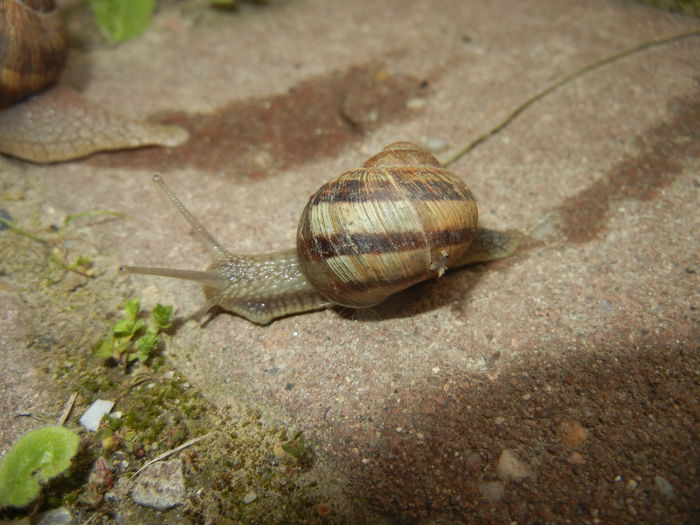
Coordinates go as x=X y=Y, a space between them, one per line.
x=38 y=456
x=131 y=308
x=104 y=349
x=160 y=317
x=127 y=327
x=145 y=345
x=121 y=20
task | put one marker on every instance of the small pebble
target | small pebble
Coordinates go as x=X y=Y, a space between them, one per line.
x=416 y=103
x=160 y=486
x=492 y=491
x=60 y=516
x=250 y=497
x=93 y=415
x=664 y=486
x=510 y=467
x=572 y=434
x=576 y=458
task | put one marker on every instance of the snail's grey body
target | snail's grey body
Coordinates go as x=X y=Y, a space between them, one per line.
x=384 y=256
x=267 y=286
x=259 y=287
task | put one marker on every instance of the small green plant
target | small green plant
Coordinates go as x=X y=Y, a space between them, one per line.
x=298 y=449
x=39 y=455
x=133 y=338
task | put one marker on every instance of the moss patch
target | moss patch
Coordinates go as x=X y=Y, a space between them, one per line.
x=243 y=471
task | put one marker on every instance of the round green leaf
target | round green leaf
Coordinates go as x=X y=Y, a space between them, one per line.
x=38 y=455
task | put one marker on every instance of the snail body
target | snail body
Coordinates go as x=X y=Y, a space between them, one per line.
x=399 y=219
x=46 y=123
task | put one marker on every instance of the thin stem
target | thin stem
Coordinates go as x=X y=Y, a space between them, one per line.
x=22 y=232
x=559 y=83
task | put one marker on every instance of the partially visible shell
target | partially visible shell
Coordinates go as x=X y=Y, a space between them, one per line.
x=32 y=48
x=61 y=125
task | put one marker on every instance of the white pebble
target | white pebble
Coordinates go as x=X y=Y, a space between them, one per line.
x=416 y=103
x=93 y=415
x=250 y=497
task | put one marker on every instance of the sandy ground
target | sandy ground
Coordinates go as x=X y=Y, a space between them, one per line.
x=579 y=355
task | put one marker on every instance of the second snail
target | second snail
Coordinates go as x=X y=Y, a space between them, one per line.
x=399 y=219
x=43 y=122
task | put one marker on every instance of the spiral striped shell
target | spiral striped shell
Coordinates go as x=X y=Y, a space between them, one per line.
x=32 y=48
x=371 y=232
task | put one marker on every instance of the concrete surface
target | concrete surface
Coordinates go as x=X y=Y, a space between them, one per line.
x=579 y=354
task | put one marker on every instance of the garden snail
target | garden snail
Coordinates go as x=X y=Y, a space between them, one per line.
x=399 y=219
x=57 y=124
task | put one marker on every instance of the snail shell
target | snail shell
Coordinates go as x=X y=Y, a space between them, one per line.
x=381 y=228
x=32 y=48
x=399 y=219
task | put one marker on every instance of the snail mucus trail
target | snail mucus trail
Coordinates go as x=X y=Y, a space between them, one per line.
x=399 y=219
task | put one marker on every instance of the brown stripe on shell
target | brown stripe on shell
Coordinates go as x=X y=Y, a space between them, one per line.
x=342 y=243
x=360 y=185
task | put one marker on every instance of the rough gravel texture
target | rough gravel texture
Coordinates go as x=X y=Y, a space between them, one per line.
x=578 y=356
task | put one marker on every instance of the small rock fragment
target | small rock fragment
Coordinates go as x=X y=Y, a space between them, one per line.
x=250 y=497
x=576 y=458
x=60 y=516
x=572 y=434
x=160 y=486
x=416 y=103
x=664 y=486
x=492 y=491
x=93 y=415
x=510 y=467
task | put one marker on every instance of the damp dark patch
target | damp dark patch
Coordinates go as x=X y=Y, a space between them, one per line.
x=662 y=150
x=253 y=138
x=433 y=447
